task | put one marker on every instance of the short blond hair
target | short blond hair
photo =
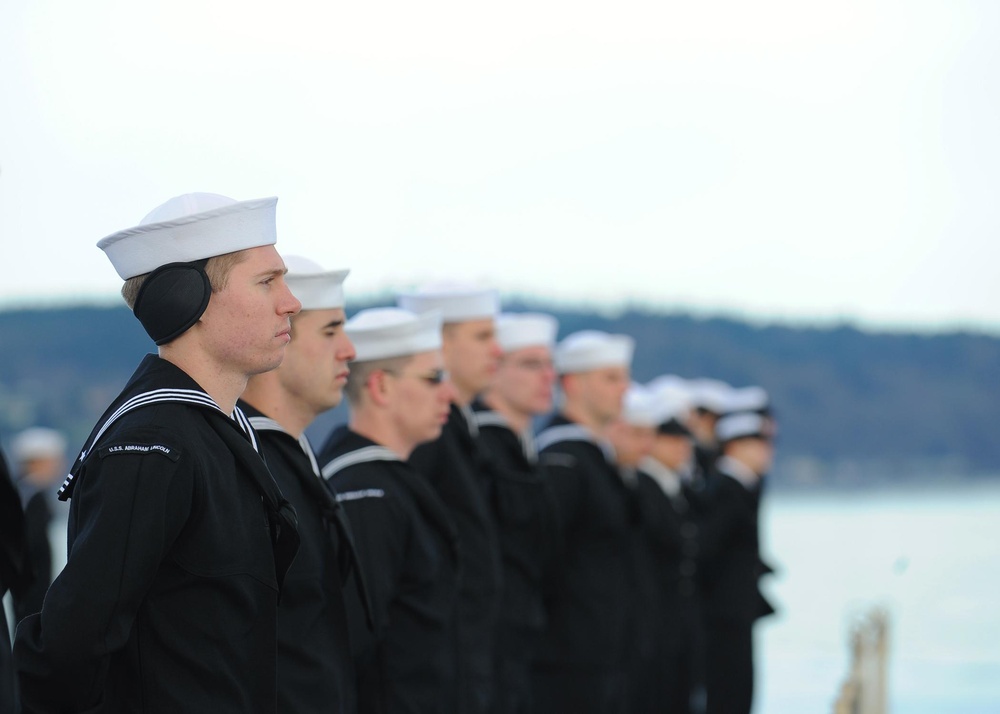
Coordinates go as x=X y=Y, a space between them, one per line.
x=362 y=371
x=217 y=269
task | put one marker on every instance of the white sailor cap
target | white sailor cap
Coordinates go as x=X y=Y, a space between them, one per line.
x=639 y=407
x=188 y=228
x=457 y=302
x=591 y=349
x=710 y=394
x=748 y=399
x=385 y=332
x=744 y=425
x=38 y=442
x=315 y=288
x=670 y=388
x=516 y=331
x=672 y=403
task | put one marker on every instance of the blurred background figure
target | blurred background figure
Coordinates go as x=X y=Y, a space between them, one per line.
x=710 y=399
x=586 y=649
x=521 y=390
x=38 y=458
x=455 y=465
x=731 y=552
x=14 y=573
x=315 y=669
x=631 y=436
x=675 y=525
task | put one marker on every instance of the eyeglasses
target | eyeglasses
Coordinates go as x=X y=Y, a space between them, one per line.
x=434 y=378
x=533 y=365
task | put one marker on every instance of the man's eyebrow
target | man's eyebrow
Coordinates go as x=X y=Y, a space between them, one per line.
x=273 y=272
x=336 y=322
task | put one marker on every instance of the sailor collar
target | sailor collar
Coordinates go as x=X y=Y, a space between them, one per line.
x=484 y=416
x=265 y=423
x=666 y=478
x=739 y=472
x=365 y=451
x=139 y=393
x=561 y=429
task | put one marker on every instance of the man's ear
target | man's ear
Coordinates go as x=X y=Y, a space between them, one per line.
x=378 y=387
x=568 y=384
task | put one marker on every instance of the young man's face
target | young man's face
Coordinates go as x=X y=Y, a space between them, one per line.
x=600 y=392
x=524 y=380
x=632 y=442
x=420 y=404
x=757 y=454
x=674 y=451
x=471 y=354
x=702 y=425
x=246 y=325
x=315 y=367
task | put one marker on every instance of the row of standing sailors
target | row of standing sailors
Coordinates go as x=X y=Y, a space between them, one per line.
x=582 y=582
x=495 y=569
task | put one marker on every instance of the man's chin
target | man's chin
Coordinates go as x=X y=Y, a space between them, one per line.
x=270 y=364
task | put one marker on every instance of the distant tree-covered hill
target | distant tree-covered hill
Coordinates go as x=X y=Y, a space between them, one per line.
x=853 y=405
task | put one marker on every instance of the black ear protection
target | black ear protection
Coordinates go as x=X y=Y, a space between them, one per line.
x=172 y=299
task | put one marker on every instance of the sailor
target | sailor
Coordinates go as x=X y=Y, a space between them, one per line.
x=15 y=572
x=39 y=457
x=631 y=435
x=315 y=669
x=521 y=390
x=731 y=560
x=675 y=526
x=709 y=401
x=407 y=544
x=753 y=400
x=178 y=537
x=584 y=651
x=456 y=467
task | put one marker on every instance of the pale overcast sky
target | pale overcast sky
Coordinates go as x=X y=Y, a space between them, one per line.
x=783 y=159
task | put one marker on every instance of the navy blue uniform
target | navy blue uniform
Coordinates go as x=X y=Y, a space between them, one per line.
x=178 y=542
x=407 y=547
x=315 y=669
x=525 y=515
x=14 y=573
x=454 y=465
x=585 y=651
x=732 y=599
x=671 y=541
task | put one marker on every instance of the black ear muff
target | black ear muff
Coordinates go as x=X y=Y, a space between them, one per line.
x=172 y=299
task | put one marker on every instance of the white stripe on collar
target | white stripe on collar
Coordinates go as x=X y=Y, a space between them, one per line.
x=738 y=471
x=668 y=480
x=573 y=432
x=240 y=418
x=190 y=396
x=470 y=419
x=360 y=456
x=157 y=396
x=490 y=418
x=562 y=432
x=263 y=423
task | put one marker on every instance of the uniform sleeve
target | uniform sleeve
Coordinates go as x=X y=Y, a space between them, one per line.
x=727 y=514
x=128 y=508
x=565 y=488
x=37 y=516
x=379 y=539
x=14 y=569
x=428 y=458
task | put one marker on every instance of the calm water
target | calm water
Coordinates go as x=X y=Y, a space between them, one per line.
x=931 y=558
